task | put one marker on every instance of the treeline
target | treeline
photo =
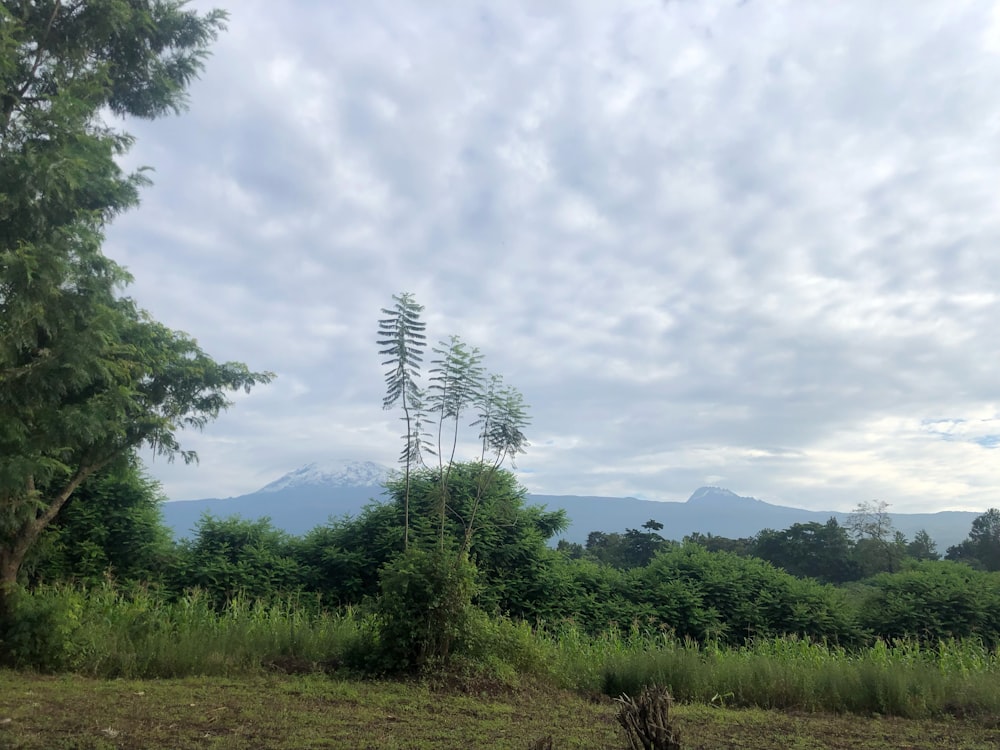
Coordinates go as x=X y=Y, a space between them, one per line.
x=829 y=552
x=706 y=588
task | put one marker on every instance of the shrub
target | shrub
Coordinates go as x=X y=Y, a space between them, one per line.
x=39 y=633
x=424 y=608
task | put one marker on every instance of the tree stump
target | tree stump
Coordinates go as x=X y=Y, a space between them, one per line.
x=646 y=721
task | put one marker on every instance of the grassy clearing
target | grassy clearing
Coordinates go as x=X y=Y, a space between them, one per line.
x=285 y=712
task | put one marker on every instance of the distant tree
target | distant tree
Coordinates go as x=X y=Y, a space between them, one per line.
x=713 y=543
x=879 y=547
x=922 y=547
x=641 y=546
x=982 y=548
x=814 y=550
x=572 y=550
x=630 y=549
x=872 y=520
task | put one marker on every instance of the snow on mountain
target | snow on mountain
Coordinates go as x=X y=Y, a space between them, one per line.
x=338 y=472
x=722 y=497
x=703 y=493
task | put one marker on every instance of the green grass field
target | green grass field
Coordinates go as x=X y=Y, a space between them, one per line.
x=318 y=711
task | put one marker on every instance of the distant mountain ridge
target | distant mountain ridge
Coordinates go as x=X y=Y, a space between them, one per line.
x=313 y=494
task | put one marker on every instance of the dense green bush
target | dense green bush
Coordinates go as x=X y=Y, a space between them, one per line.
x=111 y=527
x=40 y=633
x=234 y=557
x=424 y=609
x=934 y=601
x=709 y=596
x=341 y=560
x=485 y=513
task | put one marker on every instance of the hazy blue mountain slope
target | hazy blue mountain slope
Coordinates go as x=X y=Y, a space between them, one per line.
x=311 y=495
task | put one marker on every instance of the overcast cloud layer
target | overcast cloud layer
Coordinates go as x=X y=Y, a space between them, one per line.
x=751 y=244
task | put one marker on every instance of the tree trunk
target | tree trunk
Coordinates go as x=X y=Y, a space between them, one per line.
x=11 y=559
x=10 y=564
x=15 y=548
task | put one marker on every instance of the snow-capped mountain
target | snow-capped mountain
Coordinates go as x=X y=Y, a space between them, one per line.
x=703 y=493
x=338 y=472
x=296 y=502
x=721 y=497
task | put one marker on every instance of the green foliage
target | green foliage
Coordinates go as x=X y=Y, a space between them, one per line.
x=402 y=338
x=934 y=601
x=502 y=419
x=821 y=551
x=743 y=547
x=456 y=383
x=40 y=633
x=234 y=558
x=517 y=572
x=106 y=631
x=112 y=527
x=721 y=596
x=632 y=549
x=506 y=539
x=504 y=648
x=707 y=596
x=982 y=548
x=900 y=679
x=85 y=376
x=341 y=561
x=922 y=547
x=424 y=609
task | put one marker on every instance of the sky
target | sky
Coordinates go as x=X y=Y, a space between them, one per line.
x=746 y=244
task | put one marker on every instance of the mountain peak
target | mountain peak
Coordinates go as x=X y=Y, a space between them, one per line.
x=339 y=472
x=716 y=494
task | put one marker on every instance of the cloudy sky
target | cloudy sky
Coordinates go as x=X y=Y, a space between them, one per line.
x=750 y=244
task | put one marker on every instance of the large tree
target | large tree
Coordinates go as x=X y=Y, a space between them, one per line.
x=878 y=547
x=816 y=550
x=85 y=375
x=982 y=548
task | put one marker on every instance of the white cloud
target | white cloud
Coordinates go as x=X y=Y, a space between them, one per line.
x=749 y=243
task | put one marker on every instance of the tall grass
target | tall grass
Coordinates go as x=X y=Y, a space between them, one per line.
x=902 y=678
x=104 y=632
